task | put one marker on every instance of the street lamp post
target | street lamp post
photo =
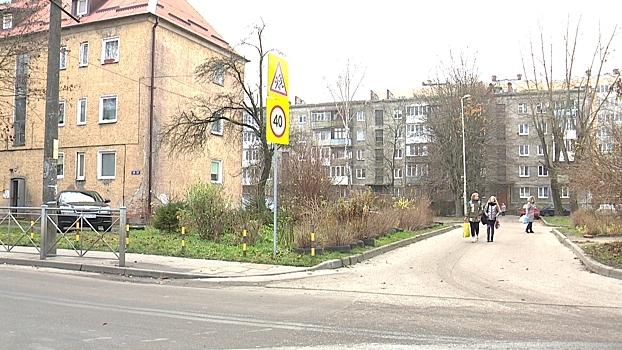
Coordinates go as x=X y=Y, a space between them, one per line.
x=464 y=177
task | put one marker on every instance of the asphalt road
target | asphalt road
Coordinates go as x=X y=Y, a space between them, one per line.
x=522 y=291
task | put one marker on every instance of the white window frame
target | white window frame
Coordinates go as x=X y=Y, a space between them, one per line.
x=543 y=192
x=80 y=109
x=101 y=108
x=398 y=173
x=218 y=126
x=83 y=58
x=84 y=10
x=397 y=113
x=62 y=112
x=360 y=154
x=302 y=119
x=218 y=73
x=565 y=192
x=115 y=58
x=60 y=164
x=523 y=171
x=398 y=153
x=80 y=166
x=63 y=57
x=360 y=116
x=540 y=150
x=360 y=173
x=542 y=171
x=218 y=163
x=523 y=129
x=7 y=21
x=522 y=108
x=360 y=135
x=399 y=133
x=523 y=192
x=100 y=164
x=523 y=150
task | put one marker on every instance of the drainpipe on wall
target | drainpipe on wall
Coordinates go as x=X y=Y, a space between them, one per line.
x=151 y=99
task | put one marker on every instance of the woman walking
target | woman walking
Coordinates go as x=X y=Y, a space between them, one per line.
x=529 y=212
x=492 y=211
x=473 y=215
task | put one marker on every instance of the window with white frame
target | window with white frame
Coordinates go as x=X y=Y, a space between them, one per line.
x=523 y=171
x=106 y=164
x=216 y=171
x=81 y=119
x=570 y=145
x=523 y=192
x=80 y=165
x=60 y=165
x=417 y=150
x=218 y=76
x=360 y=154
x=523 y=150
x=540 y=150
x=82 y=8
x=61 y=112
x=302 y=118
x=541 y=107
x=397 y=114
x=421 y=169
x=523 y=129
x=360 y=135
x=360 y=116
x=339 y=133
x=543 y=192
x=397 y=173
x=217 y=126
x=360 y=173
x=251 y=155
x=565 y=192
x=542 y=171
x=522 y=108
x=323 y=116
x=412 y=111
x=63 y=57
x=110 y=50
x=398 y=153
x=7 y=21
x=108 y=108
x=544 y=127
x=399 y=133
x=322 y=135
x=83 y=59
x=336 y=171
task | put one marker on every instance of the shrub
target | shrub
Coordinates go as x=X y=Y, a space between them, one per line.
x=208 y=211
x=597 y=223
x=167 y=216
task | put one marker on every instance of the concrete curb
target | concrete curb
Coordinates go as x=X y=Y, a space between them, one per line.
x=590 y=263
x=357 y=258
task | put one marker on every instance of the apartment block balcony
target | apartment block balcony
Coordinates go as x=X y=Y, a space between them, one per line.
x=327 y=124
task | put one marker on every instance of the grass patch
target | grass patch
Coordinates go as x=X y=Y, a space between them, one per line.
x=609 y=254
x=560 y=221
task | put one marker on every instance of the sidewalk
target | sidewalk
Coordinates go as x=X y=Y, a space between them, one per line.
x=155 y=266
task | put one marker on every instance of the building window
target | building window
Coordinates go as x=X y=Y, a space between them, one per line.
x=522 y=108
x=337 y=171
x=360 y=116
x=523 y=150
x=412 y=111
x=80 y=159
x=339 y=133
x=218 y=123
x=61 y=113
x=320 y=116
x=523 y=192
x=379 y=117
x=544 y=127
x=398 y=153
x=565 y=192
x=542 y=171
x=82 y=7
x=360 y=154
x=108 y=109
x=360 y=173
x=379 y=135
x=110 y=50
x=302 y=119
x=397 y=114
x=523 y=171
x=60 y=165
x=543 y=192
x=216 y=171
x=417 y=150
x=540 y=150
x=83 y=60
x=397 y=172
x=416 y=170
x=541 y=107
x=7 y=21
x=360 y=135
x=63 y=57
x=323 y=135
x=106 y=164
x=219 y=73
x=523 y=129
x=81 y=120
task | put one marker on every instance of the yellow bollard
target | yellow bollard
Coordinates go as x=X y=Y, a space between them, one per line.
x=127 y=234
x=77 y=231
x=244 y=240
x=32 y=229
x=312 y=242
x=183 y=239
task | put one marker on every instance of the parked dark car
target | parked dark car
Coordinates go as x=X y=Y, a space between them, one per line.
x=536 y=212
x=549 y=210
x=89 y=205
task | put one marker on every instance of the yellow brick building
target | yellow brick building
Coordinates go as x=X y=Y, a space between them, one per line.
x=126 y=68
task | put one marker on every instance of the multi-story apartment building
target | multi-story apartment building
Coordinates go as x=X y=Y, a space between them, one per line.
x=126 y=69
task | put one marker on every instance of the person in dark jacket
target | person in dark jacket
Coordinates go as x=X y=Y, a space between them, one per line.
x=492 y=211
x=473 y=215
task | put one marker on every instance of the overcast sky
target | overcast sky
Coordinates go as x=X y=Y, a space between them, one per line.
x=399 y=44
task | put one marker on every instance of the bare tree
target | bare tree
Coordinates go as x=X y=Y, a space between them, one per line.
x=444 y=120
x=240 y=106
x=564 y=111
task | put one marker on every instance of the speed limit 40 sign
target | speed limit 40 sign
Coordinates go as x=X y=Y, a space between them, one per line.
x=277 y=124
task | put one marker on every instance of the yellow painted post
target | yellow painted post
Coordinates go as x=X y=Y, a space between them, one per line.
x=127 y=234
x=183 y=237
x=244 y=240
x=32 y=229
x=312 y=242
x=77 y=231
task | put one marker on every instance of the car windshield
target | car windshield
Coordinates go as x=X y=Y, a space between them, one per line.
x=79 y=197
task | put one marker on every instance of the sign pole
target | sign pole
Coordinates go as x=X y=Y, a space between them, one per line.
x=275 y=155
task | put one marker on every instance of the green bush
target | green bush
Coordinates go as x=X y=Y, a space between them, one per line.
x=167 y=216
x=208 y=211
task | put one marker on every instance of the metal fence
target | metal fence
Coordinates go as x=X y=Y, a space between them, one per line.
x=48 y=228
